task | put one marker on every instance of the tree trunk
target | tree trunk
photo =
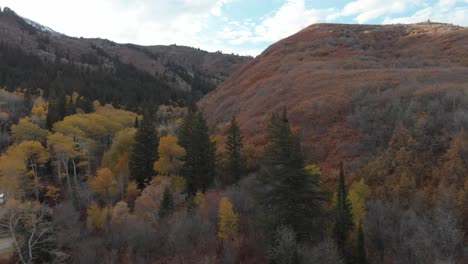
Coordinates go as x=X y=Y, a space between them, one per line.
x=65 y=164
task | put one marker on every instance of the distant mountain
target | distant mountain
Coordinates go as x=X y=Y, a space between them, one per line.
x=347 y=88
x=57 y=63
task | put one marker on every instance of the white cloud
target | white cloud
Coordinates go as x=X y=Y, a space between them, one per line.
x=291 y=17
x=145 y=22
x=364 y=11
x=457 y=16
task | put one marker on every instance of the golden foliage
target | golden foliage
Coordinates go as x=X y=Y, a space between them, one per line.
x=105 y=184
x=228 y=220
x=26 y=130
x=12 y=171
x=199 y=200
x=170 y=155
x=97 y=217
x=358 y=195
x=39 y=111
x=52 y=193
x=116 y=157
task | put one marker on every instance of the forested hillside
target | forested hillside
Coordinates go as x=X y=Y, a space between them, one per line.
x=342 y=144
x=113 y=186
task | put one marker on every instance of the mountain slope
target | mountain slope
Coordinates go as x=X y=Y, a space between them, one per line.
x=183 y=69
x=348 y=87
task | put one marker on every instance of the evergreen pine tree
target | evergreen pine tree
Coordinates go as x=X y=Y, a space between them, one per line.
x=361 y=257
x=28 y=102
x=199 y=161
x=233 y=147
x=56 y=111
x=167 y=204
x=288 y=195
x=344 y=218
x=144 y=152
x=136 y=122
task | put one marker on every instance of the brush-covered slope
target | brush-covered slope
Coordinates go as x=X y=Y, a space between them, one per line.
x=348 y=87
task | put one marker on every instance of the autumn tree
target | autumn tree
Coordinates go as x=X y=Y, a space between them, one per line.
x=288 y=196
x=199 y=161
x=228 y=225
x=12 y=173
x=97 y=218
x=199 y=200
x=39 y=111
x=104 y=184
x=233 y=148
x=170 y=156
x=144 y=152
x=357 y=196
x=35 y=156
x=344 y=223
x=33 y=233
x=65 y=150
x=26 y=130
x=131 y=194
x=116 y=158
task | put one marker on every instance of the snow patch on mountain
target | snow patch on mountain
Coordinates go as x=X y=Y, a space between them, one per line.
x=41 y=27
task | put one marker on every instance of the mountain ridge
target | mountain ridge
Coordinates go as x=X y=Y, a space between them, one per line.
x=326 y=73
x=180 y=68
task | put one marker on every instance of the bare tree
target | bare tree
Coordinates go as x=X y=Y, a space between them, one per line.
x=29 y=224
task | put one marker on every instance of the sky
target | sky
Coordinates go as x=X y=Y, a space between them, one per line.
x=245 y=27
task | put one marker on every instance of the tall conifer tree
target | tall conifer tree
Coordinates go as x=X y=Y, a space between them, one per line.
x=167 y=204
x=288 y=195
x=344 y=217
x=361 y=257
x=144 y=152
x=233 y=148
x=199 y=162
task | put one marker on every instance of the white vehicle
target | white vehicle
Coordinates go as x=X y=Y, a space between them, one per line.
x=2 y=198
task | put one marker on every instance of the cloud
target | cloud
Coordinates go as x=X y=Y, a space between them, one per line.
x=146 y=22
x=457 y=16
x=288 y=19
x=445 y=11
x=364 y=11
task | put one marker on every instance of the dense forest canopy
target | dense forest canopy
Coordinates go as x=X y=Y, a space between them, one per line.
x=112 y=185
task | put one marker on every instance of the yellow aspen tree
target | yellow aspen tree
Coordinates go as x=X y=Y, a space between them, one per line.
x=34 y=155
x=199 y=200
x=358 y=195
x=104 y=184
x=228 y=225
x=26 y=130
x=12 y=170
x=97 y=217
x=39 y=111
x=170 y=155
x=64 y=149
x=52 y=193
